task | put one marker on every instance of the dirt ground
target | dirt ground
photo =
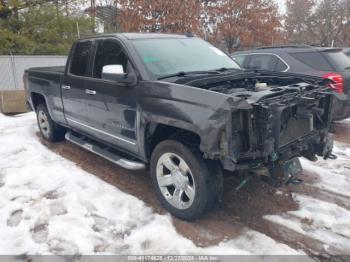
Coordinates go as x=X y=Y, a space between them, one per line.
x=238 y=210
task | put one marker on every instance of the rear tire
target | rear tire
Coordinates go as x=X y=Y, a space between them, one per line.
x=185 y=184
x=48 y=128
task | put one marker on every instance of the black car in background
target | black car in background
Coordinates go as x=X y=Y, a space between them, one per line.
x=331 y=63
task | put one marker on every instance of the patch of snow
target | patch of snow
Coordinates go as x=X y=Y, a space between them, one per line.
x=279 y=192
x=334 y=175
x=326 y=222
x=250 y=240
x=346 y=120
x=48 y=205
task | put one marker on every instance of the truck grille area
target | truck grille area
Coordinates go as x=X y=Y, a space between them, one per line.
x=283 y=126
x=294 y=128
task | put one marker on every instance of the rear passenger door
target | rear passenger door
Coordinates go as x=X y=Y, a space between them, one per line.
x=268 y=62
x=73 y=87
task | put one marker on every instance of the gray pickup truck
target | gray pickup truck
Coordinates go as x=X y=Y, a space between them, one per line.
x=183 y=108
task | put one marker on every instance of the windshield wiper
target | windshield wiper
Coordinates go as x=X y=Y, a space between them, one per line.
x=224 y=69
x=189 y=73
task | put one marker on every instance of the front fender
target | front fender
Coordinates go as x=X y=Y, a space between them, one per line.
x=200 y=111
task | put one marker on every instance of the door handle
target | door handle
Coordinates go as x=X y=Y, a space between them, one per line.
x=65 y=87
x=90 y=92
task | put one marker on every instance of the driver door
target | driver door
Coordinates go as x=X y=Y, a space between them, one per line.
x=111 y=105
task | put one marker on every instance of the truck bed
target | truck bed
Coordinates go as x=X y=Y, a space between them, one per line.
x=47 y=81
x=51 y=69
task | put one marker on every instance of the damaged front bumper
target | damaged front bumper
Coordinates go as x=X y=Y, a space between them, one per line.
x=287 y=171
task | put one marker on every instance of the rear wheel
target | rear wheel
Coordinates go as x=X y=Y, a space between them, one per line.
x=48 y=128
x=186 y=185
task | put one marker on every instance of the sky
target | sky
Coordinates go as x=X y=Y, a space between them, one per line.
x=281 y=5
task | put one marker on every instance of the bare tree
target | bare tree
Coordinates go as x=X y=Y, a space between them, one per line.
x=174 y=16
x=324 y=22
x=298 y=21
x=244 y=22
x=330 y=21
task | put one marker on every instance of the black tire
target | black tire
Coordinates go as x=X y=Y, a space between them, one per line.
x=206 y=178
x=51 y=132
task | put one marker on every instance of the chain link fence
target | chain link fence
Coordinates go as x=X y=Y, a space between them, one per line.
x=12 y=68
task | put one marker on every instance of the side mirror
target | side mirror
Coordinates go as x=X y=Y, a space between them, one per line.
x=116 y=73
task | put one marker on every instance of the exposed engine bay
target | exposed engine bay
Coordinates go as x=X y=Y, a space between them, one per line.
x=289 y=117
x=251 y=82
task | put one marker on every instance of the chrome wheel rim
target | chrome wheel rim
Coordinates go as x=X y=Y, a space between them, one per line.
x=175 y=181
x=43 y=124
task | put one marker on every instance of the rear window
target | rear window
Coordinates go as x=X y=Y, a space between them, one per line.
x=314 y=60
x=339 y=59
x=281 y=66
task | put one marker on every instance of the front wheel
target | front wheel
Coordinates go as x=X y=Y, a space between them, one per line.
x=186 y=185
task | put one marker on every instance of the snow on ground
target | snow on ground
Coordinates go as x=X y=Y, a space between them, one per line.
x=334 y=176
x=324 y=221
x=48 y=205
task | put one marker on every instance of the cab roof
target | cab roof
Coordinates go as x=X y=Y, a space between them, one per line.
x=134 y=36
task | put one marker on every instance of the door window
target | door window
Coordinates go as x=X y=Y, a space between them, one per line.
x=267 y=62
x=239 y=59
x=109 y=52
x=80 y=58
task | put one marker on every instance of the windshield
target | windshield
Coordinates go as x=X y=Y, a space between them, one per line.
x=169 y=56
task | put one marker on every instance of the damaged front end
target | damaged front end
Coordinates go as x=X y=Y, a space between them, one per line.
x=281 y=125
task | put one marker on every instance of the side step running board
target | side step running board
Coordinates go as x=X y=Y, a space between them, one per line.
x=111 y=156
